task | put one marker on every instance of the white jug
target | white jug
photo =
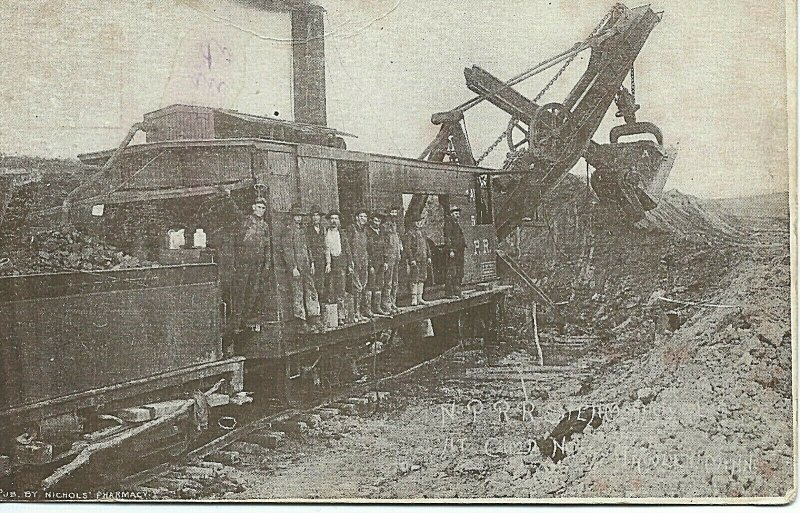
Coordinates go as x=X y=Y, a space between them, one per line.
x=199 y=238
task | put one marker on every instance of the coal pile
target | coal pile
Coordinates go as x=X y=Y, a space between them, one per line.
x=66 y=249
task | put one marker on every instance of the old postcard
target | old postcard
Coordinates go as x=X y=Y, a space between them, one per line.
x=398 y=250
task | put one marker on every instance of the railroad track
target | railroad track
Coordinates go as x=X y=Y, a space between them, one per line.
x=206 y=470
x=274 y=442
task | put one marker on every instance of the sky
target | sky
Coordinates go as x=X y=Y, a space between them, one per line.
x=78 y=73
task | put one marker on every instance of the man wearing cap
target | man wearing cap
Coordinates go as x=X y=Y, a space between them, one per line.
x=300 y=267
x=454 y=245
x=359 y=261
x=393 y=252
x=337 y=262
x=252 y=265
x=418 y=260
x=315 y=237
x=376 y=249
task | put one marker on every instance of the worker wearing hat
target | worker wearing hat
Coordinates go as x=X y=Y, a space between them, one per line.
x=376 y=249
x=417 y=259
x=454 y=245
x=252 y=266
x=315 y=237
x=356 y=237
x=393 y=252
x=300 y=269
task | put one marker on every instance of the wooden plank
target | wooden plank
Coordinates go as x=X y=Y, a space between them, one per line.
x=437 y=308
x=128 y=196
x=318 y=184
x=513 y=266
x=104 y=395
x=134 y=414
x=326 y=152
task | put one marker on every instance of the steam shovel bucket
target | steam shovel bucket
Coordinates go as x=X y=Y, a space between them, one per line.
x=655 y=187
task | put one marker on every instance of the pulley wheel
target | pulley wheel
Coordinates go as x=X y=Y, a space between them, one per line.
x=552 y=133
x=517 y=135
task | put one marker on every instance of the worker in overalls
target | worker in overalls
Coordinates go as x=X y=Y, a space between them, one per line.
x=418 y=259
x=359 y=262
x=252 y=267
x=315 y=237
x=376 y=249
x=337 y=261
x=392 y=255
x=454 y=246
x=300 y=268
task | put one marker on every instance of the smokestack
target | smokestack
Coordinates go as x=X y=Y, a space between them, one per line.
x=308 y=57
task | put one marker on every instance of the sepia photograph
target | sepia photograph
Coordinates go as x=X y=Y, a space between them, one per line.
x=398 y=251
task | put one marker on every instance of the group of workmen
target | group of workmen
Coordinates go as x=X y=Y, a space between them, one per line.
x=324 y=261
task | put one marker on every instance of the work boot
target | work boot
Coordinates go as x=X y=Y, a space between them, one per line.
x=377 y=304
x=357 y=317
x=386 y=304
x=303 y=326
x=315 y=324
x=421 y=292
x=367 y=306
x=414 y=294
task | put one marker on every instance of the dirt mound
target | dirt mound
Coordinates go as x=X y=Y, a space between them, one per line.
x=615 y=280
x=707 y=413
x=35 y=203
x=687 y=216
x=775 y=205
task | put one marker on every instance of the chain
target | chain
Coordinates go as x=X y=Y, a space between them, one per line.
x=538 y=97
x=633 y=84
x=555 y=77
x=491 y=147
x=572 y=58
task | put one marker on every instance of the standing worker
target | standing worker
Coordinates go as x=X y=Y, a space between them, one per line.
x=315 y=237
x=454 y=245
x=394 y=250
x=300 y=267
x=376 y=249
x=418 y=260
x=252 y=266
x=359 y=261
x=337 y=263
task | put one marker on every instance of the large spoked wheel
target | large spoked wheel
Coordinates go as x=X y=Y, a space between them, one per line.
x=552 y=133
x=517 y=135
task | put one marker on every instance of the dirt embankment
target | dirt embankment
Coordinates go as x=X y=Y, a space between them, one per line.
x=707 y=412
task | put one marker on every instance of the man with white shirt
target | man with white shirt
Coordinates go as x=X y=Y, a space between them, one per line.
x=337 y=263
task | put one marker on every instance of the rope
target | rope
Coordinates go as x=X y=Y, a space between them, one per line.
x=692 y=303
